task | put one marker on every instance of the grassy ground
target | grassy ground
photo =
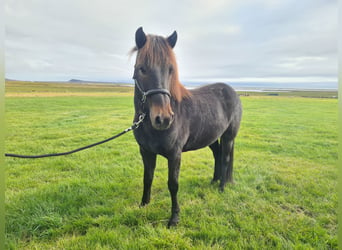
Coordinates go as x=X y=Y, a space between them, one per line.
x=285 y=171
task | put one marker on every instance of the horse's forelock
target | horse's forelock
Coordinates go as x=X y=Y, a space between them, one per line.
x=157 y=51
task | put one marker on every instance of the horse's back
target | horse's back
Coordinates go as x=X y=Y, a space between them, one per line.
x=219 y=93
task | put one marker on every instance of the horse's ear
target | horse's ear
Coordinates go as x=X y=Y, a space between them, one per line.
x=172 y=39
x=140 y=38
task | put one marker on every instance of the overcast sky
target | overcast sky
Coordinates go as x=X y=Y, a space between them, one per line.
x=230 y=40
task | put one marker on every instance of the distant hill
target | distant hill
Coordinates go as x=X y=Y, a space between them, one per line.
x=77 y=80
x=88 y=81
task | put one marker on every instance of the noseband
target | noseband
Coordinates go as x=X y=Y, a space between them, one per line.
x=150 y=92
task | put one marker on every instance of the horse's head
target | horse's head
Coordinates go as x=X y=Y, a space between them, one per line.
x=156 y=76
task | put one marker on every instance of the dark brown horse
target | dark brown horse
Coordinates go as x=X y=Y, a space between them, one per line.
x=176 y=120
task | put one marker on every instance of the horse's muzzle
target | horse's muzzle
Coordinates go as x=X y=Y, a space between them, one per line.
x=161 y=118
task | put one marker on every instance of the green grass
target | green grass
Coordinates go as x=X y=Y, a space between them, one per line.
x=285 y=171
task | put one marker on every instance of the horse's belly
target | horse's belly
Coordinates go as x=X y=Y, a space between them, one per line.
x=196 y=145
x=203 y=139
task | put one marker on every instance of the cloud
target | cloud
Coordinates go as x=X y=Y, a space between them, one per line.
x=59 y=40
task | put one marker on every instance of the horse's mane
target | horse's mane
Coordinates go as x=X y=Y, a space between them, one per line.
x=157 y=51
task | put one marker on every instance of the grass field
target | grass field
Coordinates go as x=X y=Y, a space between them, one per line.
x=285 y=196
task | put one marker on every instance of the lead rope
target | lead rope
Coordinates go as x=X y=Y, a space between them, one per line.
x=134 y=126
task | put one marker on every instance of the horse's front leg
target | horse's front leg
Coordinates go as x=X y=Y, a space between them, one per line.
x=174 y=166
x=149 y=160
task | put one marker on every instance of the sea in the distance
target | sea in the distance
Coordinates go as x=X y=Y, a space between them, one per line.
x=264 y=86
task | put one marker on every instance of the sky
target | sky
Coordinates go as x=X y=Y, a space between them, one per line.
x=273 y=41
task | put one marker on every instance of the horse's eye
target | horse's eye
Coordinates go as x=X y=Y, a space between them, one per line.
x=142 y=70
x=170 y=70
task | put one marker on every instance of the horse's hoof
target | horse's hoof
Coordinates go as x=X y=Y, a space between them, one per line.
x=172 y=223
x=221 y=189
x=173 y=220
x=143 y=204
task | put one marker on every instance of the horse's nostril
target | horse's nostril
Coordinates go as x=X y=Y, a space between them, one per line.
x=162 y=122
x=158 y=120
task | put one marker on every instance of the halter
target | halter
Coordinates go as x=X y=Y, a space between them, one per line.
x=150 y=92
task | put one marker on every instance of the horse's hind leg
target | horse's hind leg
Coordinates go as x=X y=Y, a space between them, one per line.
x=227 y=150
x=229 y=173
x=215 y=147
